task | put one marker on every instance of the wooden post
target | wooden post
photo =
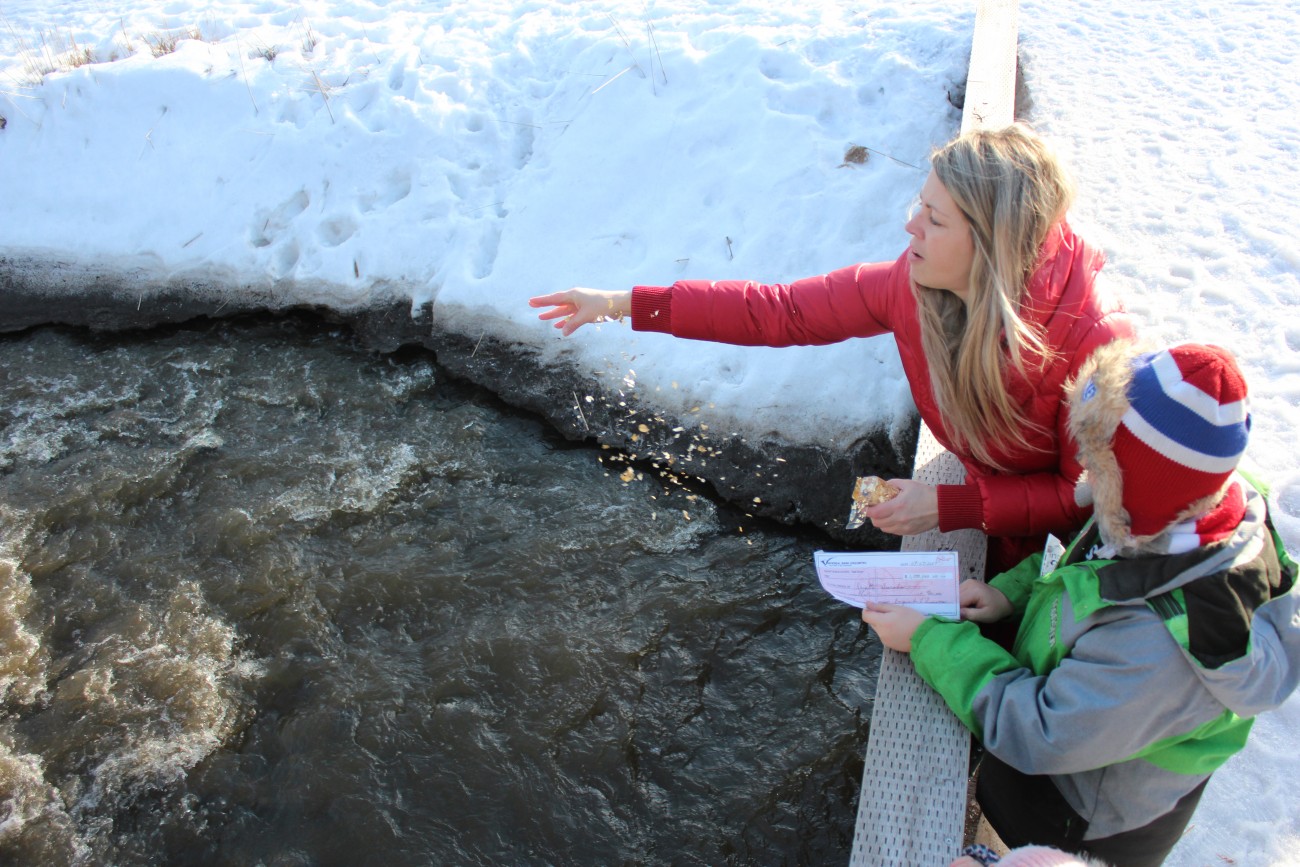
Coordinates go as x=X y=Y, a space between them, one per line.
x=991 y=79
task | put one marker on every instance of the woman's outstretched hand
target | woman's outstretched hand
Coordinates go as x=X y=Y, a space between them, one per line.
x=576 y=307
x=913 y=511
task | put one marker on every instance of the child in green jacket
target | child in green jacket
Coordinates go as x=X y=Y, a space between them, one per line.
x=1143 y=656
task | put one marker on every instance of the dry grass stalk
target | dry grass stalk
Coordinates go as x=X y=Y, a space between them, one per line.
x=309 y=40
x=649 y=29
x=164 y=42
x=239 y=50
x=323 y=90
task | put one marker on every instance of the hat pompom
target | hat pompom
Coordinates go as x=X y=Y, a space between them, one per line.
x=1041 y=856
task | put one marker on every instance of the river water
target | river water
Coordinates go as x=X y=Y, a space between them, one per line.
x=269 y=598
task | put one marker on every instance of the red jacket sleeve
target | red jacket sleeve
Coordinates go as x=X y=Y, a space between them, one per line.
x=858 y=301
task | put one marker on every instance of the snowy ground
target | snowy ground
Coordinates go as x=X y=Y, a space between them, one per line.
x=483 y=152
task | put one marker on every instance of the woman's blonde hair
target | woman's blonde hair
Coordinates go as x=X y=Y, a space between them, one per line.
x=1011 y=189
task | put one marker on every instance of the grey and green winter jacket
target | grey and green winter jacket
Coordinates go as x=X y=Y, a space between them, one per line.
x=1131 y=680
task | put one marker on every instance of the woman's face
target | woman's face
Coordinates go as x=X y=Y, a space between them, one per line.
x=942 y=248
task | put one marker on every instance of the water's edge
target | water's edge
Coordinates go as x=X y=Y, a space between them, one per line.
x=796 y=483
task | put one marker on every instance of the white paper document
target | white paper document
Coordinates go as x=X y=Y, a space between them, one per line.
x=924 y=580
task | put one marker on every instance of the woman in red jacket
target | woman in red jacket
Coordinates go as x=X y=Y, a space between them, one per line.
x=993 y=305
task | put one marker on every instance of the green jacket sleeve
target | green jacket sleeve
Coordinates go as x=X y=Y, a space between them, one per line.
x=1017 y=583
x=957 y=661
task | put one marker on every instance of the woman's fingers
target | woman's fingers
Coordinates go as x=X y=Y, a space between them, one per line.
x=913 y=511
x=557 y=311
x=564 y=307
x=550 y=300
x=561 y=304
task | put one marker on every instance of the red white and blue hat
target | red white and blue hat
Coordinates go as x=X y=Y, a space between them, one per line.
x=1160 y=434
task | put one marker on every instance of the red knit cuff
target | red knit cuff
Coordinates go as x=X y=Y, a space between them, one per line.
x=652 y=308
x=960 y=508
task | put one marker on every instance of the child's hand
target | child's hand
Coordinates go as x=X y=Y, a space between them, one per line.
x=894 y=624
x=982 y=603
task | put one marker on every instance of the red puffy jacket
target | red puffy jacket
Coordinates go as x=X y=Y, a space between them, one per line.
x=1016 y=508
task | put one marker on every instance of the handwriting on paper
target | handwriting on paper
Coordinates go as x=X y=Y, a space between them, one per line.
x=924 y=580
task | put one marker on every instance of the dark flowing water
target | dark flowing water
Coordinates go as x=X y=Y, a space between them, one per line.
x=268 y=598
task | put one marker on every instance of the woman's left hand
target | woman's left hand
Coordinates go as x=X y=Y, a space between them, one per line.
x=913 y=511
x=894 y=624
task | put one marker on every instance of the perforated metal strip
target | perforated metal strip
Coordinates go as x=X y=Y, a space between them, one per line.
x=912 y=809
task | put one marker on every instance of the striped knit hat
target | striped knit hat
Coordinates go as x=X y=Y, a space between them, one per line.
x=1160 y=434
